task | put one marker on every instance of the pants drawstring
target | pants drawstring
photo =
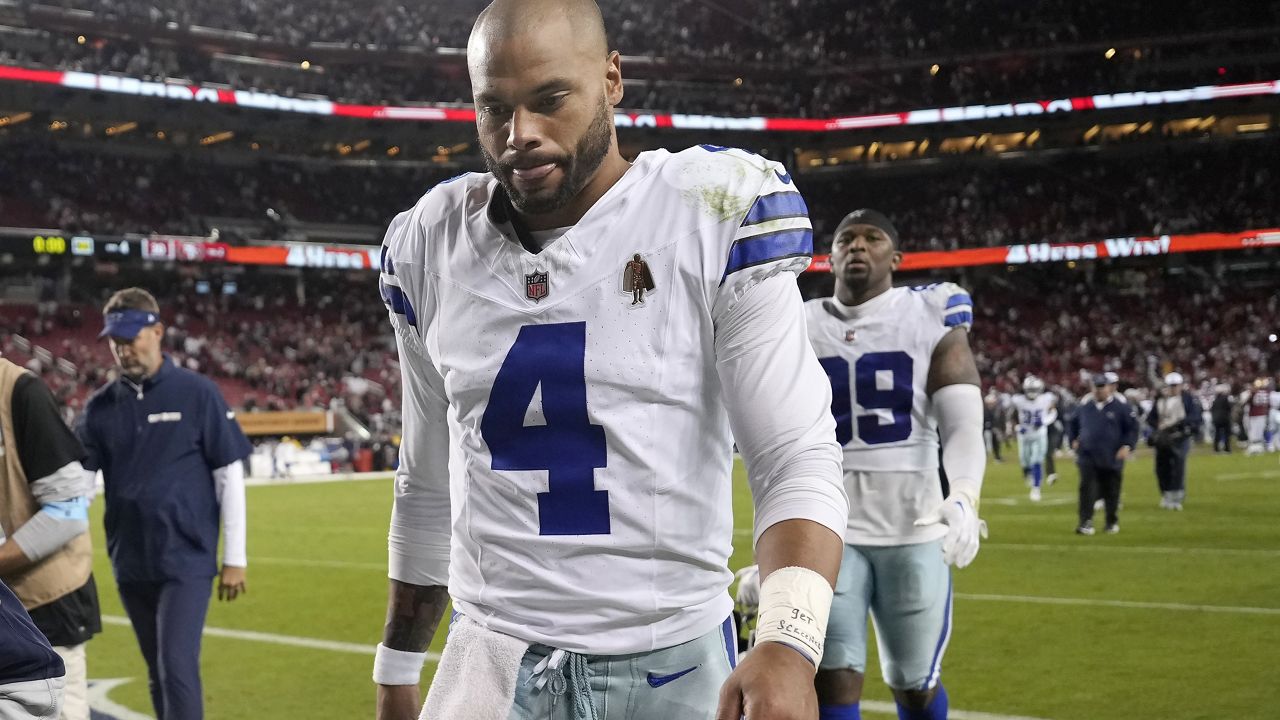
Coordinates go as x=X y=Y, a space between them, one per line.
x=550 y=674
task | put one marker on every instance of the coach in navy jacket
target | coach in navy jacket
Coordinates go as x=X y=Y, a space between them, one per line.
x=170 y=452
x=1103 y=431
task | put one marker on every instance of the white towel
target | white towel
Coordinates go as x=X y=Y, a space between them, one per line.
x=476 y=678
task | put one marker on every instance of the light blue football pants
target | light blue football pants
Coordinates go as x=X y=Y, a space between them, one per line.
x=678 y=683
x=907 y=591
x=1032 y=448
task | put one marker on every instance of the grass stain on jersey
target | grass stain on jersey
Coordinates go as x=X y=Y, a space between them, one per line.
x=718 y=202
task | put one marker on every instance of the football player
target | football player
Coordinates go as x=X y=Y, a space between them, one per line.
x=566 y=470
x=902 y=375
x=1036 y=410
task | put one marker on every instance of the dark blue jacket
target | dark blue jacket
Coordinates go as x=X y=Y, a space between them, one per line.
x=1102 y=432
x=157 y=446
x=25 y=654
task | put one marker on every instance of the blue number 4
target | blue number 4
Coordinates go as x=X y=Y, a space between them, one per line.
x=568 y=446
x=897 y=399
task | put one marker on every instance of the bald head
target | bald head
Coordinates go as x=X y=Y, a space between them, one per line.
x=577 y=21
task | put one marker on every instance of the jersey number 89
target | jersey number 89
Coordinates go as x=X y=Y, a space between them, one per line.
x=897 y=399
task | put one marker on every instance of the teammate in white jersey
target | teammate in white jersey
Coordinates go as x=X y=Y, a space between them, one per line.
x=577 y=336
x=901 y=374
x=1036 y=410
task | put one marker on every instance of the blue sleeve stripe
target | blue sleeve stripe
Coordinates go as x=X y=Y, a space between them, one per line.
x=959 y=299
x=776 y=206
x=759 y=249
x=388 y=267
x=959 y=318
x=393 y=297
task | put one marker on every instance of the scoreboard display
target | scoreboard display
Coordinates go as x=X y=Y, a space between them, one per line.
x=172 y=248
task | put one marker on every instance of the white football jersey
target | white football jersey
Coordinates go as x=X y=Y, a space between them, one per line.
x=877 y=357
x=1035 y=415
x=567 y=457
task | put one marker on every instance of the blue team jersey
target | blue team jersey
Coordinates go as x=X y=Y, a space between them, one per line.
x=25 y=654
x=157 y=445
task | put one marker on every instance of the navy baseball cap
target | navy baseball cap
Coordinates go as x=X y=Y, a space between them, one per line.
x=867 y=216
x=1100 y=380
x=127 y=323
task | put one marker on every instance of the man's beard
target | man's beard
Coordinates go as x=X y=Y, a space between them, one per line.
x=578 y=168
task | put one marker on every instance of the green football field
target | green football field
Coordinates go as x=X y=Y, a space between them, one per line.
x=1175 y=618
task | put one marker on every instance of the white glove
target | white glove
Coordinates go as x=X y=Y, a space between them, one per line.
x=748 y=587
x=964 y=527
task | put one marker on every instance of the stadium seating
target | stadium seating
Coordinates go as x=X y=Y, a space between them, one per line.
x=269 y=347
x=302 y=343
x=878 y=57
x=1186 y=187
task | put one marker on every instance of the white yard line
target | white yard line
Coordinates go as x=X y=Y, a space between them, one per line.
x=1247 y=475
x=1130 y=604
x=1136 y=549
x=886 y=708
x=1022 y=500
x=274 y=639
x=315 y=479
x=304 y=562
x=101 y=704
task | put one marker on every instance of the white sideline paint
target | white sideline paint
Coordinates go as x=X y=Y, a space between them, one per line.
x=886 y=708
x=100 y=689
x=274 y=639
x=1137 y=549
x=1247 y=475
x=1015 y=501
x=1130 y=604
x=304 y=562
x=100 y=703
x=313 y=479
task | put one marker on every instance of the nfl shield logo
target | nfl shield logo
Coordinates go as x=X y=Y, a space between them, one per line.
x=535 y=285
x=849 y=335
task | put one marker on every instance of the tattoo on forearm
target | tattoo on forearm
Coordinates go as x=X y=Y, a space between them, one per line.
x=413 y=613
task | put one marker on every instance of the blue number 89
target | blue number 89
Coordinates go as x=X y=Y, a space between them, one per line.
x=898 y=399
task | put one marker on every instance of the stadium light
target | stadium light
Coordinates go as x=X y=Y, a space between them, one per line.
x=14 y=119
x=80 y=40
x=1272 y=337
x=305 y=64
x=1110 y=53
x=934 y=70
x=216 y=138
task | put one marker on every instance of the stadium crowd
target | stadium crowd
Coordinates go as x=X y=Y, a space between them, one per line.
x=306 y=341
x=819 y=30
x=1180 y=188
x=273 y=345
x=829 y=68
x=1187 y=187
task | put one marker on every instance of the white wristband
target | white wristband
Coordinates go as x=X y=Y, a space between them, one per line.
x=397 y=667
x=795 y=604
